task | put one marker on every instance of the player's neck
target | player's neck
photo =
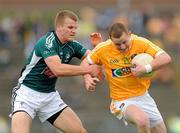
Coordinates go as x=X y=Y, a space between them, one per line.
x=60 y=38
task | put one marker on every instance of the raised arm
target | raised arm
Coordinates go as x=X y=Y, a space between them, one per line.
x=95 y=39
x=91 y=81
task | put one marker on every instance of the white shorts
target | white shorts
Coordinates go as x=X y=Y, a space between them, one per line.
x=145 y=102
x=35 y=103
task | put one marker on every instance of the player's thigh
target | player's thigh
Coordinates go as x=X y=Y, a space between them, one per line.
x=159 y=128
x=69 y=122
x=21 y=122
x=136 y=115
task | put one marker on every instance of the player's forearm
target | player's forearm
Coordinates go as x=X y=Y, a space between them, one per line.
x=85 y=64
x=70 y=70
x=160 y=61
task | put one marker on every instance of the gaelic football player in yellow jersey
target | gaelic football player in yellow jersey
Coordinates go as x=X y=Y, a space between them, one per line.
x=131 y=101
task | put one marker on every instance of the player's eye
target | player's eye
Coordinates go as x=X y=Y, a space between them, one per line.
x=118 y=44
x=70 y=27
x=124 y=42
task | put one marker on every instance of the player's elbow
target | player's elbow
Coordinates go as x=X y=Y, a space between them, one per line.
x=168 y=59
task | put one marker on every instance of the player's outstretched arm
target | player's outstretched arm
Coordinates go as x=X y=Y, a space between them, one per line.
x=59 y=69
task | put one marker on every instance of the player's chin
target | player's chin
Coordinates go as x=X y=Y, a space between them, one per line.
x=123 y=49
x=71 y=38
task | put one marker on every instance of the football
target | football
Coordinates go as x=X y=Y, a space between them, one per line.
x=143 y=59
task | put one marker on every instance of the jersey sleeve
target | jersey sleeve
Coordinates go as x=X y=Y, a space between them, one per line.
x=45 y=49
x=79 y=49
x=95 y=56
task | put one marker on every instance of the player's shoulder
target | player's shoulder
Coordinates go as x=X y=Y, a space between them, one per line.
x=138 y=38
x=103 y=45
x=49 y=37
x=46 y=39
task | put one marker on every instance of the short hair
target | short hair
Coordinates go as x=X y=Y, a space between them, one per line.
x=117 y=29
x=61 y=15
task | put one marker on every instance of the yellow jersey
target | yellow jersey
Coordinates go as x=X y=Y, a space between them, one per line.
x=123 y=84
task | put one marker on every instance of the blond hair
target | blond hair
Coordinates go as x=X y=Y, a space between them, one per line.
x=61 y=15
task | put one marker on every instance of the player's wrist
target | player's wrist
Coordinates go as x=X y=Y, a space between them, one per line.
x=87 y=76
x=148 y=68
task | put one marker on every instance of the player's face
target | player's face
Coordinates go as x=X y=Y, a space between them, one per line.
x=67 y=30
x=122 y=43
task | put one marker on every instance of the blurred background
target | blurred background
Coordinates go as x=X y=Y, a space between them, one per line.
x=22 y=22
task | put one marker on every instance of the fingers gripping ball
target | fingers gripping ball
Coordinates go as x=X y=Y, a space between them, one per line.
x=143 y=59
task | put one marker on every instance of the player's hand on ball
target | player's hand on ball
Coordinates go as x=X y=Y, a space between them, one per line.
x=142 y=65
x=138 y=70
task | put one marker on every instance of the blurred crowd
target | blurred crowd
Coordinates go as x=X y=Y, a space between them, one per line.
x=22 y=29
